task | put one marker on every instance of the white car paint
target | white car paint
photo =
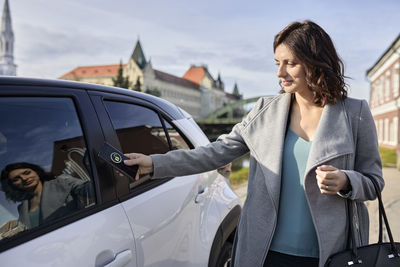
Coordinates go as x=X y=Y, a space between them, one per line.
x=96 y=240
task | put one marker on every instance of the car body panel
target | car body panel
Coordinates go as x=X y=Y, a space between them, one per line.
x=100 y=237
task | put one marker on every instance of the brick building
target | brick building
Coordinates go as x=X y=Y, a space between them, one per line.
x=384 y=102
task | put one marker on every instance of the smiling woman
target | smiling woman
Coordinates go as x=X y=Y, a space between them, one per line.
x=42 y=197
x=307 y=157
x=308 y=45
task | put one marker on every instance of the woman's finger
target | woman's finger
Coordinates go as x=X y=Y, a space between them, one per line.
x=134 y=159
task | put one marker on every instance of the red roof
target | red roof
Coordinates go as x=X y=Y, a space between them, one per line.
x=195 y=74
x=93 y=71
x=166 y=77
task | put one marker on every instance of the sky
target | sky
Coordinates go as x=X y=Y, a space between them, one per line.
x=233 y=38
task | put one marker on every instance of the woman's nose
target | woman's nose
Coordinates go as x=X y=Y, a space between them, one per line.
x=281 y=73
x=24 y=177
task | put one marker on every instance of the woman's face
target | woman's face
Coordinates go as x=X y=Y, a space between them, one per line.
x=24 y=179
x=291 y=71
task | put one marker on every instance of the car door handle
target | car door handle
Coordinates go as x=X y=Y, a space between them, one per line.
x=201 y=195
x=119 y=260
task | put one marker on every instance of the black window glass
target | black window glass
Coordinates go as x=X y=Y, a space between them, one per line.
x=139 y=129
x=45 y=171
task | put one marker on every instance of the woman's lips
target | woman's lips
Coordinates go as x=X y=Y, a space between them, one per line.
x=287 y=83
x=28 y=182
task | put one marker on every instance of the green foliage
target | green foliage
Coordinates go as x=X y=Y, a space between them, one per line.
x=153 y=91
x=138 y=85
x=388 y=156
x=120 y=80
x=239 y=177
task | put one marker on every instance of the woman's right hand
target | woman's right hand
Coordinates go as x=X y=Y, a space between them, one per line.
x=144 y=162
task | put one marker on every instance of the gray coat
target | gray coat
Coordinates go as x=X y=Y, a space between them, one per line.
x=345 y=138
x=60 y=197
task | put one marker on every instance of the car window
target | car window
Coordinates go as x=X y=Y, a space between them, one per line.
x=138 y=128
x=177 y=140
x=45 y=170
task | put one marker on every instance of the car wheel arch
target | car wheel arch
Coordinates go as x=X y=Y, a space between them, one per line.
x=225 y=232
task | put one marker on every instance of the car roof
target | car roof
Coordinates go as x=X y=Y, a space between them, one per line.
x=167 y=107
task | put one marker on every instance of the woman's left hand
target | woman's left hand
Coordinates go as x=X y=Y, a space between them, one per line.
x=331 y=180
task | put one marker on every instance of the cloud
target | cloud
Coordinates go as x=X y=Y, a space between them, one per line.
x=52 y=53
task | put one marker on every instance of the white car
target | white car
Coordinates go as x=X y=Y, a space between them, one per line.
x=62 y=205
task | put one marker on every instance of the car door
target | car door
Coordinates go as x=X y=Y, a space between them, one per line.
x=78 y=220
x=165 y=214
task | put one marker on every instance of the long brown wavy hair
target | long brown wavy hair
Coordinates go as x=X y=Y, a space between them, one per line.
x=13 y=193
x=314 y=48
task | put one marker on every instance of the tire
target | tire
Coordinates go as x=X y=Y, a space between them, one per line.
x=224 y=256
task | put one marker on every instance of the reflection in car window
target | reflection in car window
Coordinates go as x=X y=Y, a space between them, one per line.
x=45 y=172
x=177 y=141
x=139 y=129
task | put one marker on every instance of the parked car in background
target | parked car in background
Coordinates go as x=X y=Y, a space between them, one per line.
x=88 y=213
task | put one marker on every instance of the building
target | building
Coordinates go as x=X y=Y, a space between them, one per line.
x=197 y=92
x=384 y=78
x=7 y=66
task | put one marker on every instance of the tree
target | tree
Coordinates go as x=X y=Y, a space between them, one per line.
x=120 y=80
x=153 y=91
x=138 y=85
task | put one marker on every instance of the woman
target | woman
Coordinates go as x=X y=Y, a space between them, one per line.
x=309 y=148
x=43 y=197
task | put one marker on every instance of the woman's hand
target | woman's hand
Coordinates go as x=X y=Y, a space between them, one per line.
x=145 y=163
x=331 y=180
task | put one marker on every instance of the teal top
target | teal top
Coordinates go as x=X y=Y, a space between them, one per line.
x=34 y=217
x=295 y=233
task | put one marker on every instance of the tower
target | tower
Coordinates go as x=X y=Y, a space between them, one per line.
x=138 y=55
x=7 y=66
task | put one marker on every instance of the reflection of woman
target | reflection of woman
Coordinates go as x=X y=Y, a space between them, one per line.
x=309 y=150
x=42 y=196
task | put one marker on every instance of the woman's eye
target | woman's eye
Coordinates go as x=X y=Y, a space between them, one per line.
x=27 y=172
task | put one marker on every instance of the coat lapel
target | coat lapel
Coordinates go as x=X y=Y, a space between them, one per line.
x=266 y=136
x=333 y=136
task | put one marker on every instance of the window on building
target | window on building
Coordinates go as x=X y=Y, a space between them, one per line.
x=386 y=131
x=387 y=85
x=396 y=130
x=380 y=90
x=380 y=132
x=391 y=134
x=396 y=80
x=373 y=95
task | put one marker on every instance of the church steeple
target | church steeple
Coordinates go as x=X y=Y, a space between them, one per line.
x=138 y=55
x=7 y=66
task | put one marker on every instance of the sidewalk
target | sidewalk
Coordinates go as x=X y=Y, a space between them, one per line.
x=391 y=200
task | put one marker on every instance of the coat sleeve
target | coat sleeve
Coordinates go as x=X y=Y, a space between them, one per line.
x=205 y=158
x=367 y=159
